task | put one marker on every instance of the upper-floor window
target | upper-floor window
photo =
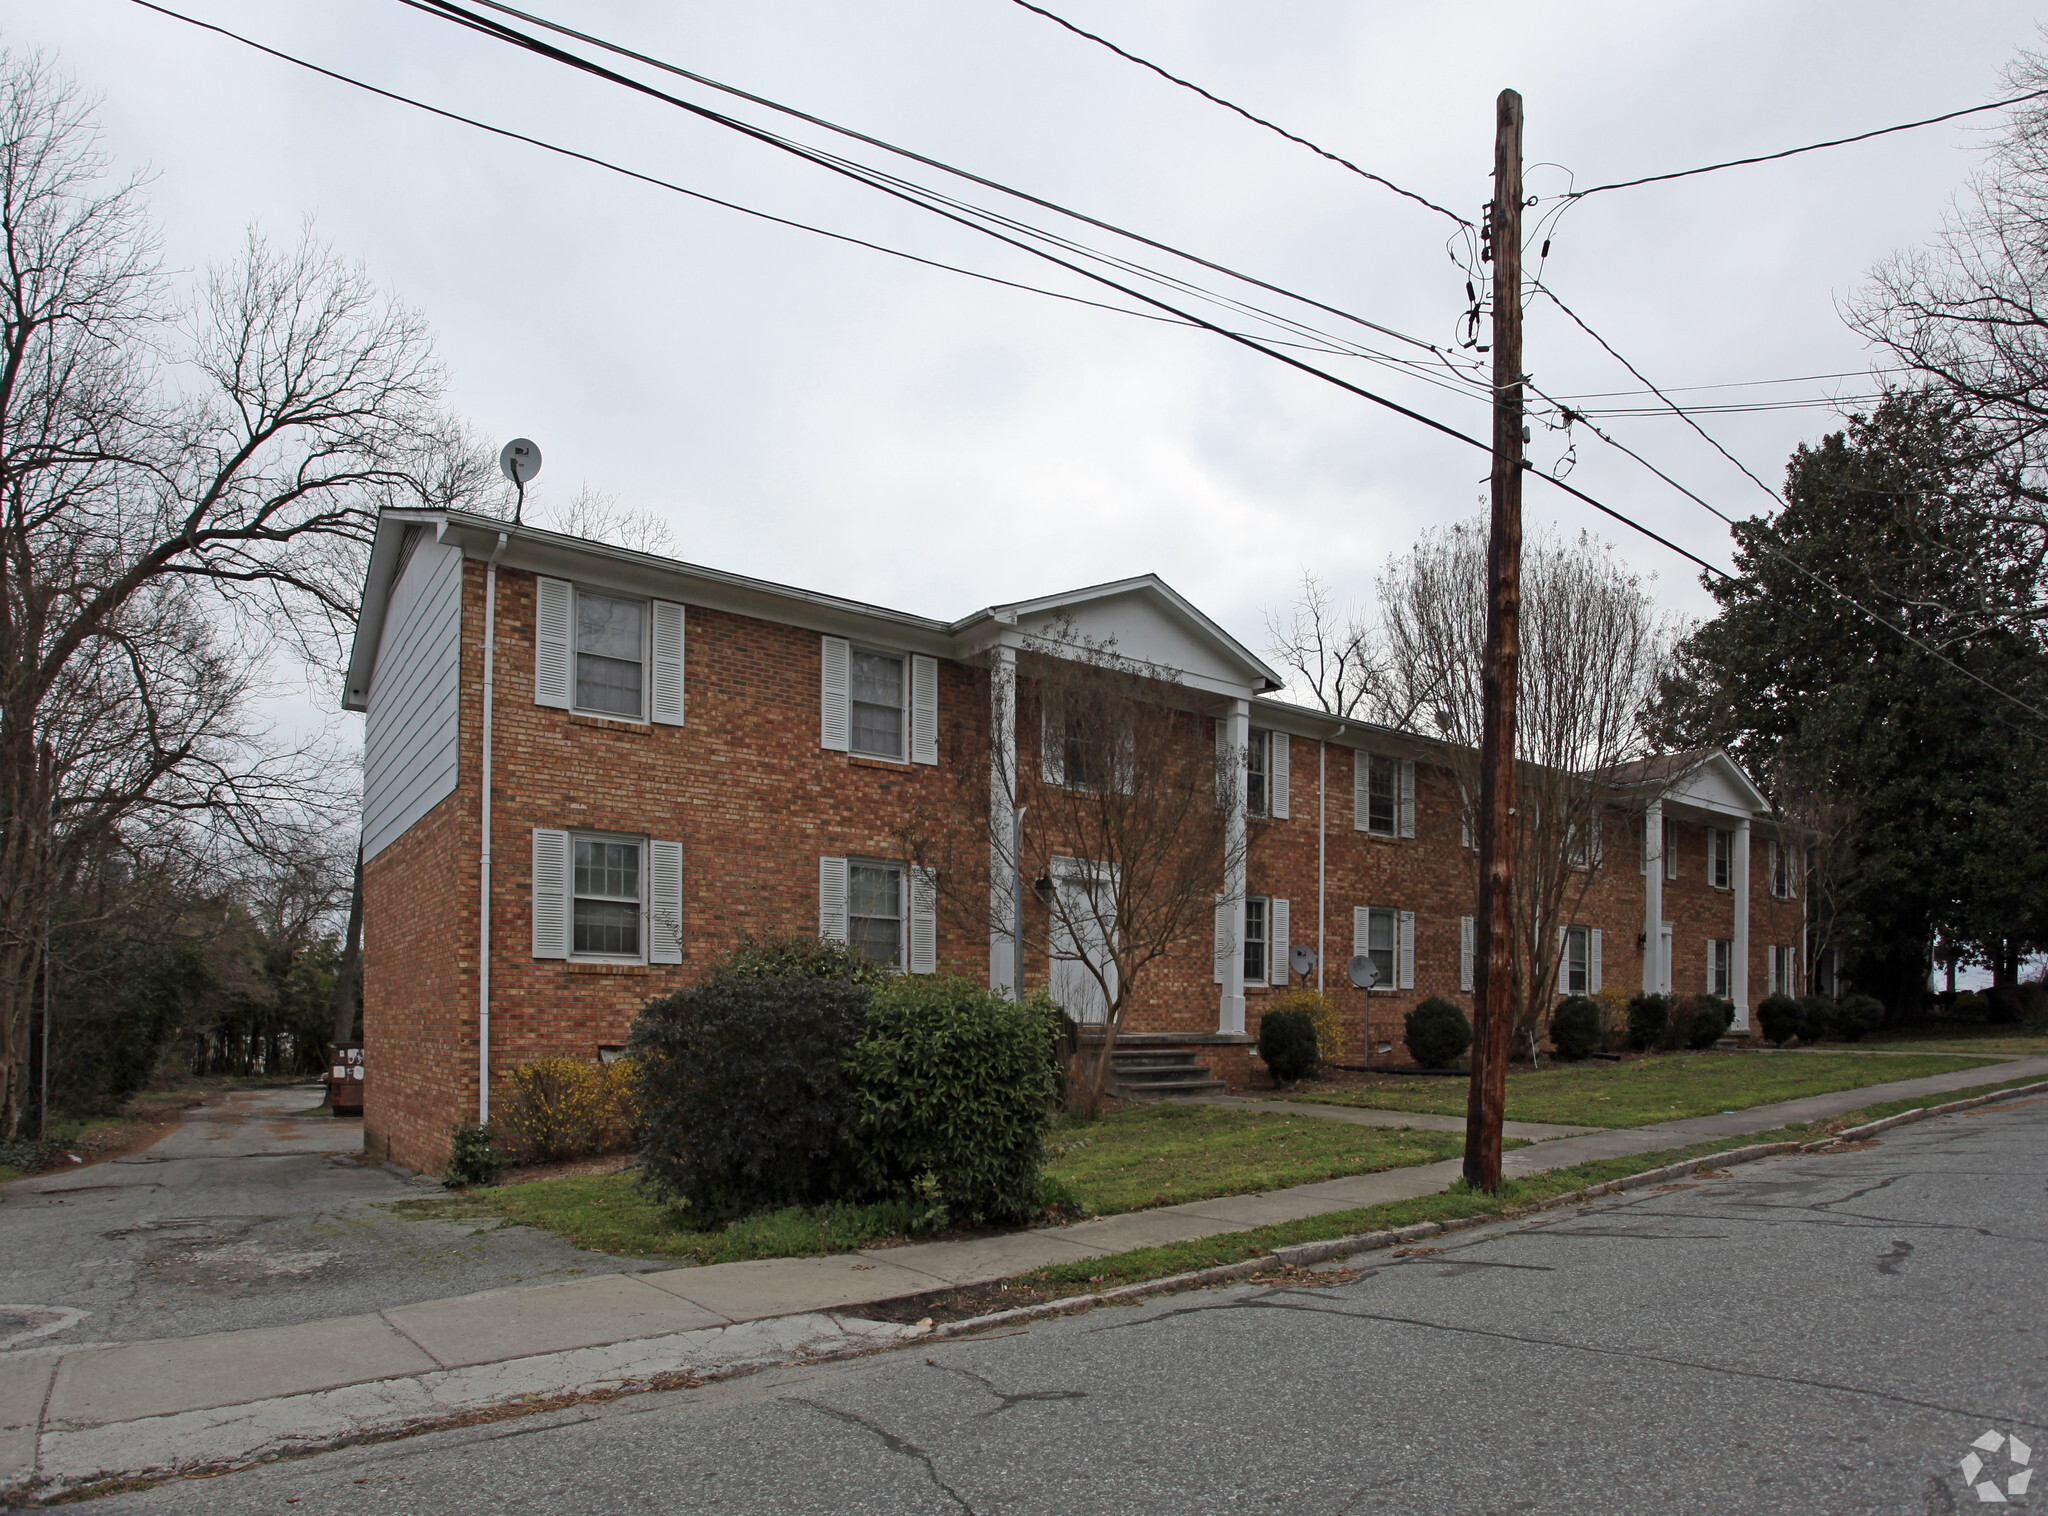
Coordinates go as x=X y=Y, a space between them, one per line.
x=1258 y=776
x=610 y=653
x=1382 y=796
x=1720 y=858
x=606 y=899
x=1256 y=935
x=874 y=911
x=1783 y=878
x=878 y=703
x=1083 y=751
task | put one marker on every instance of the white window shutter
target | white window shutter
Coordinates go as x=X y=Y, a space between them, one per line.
x=553 y=650
x=1276 y=776
x=1276 y=942
x=1670 y=849
x=1466 y=950
x=924 y=709
x=832 y=900
x=1643 y=847
x=1405 y=954
x=667 y=705
x=1593 y=962
x=1361 y=930
x=550 y=893
x=1225 y=778
x=1052 y=753
x=836 y=724
x=1711 y=945
x=1361 y=790
x=1407 y=804
x=1792 y=873
x=665 y=902
x=1226 y=937
x=1464 y=817
x=924 y=921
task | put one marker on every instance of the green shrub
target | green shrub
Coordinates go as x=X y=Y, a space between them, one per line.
x=744 y=1100
x=1856 y=1016
x=953 y=1089
x=473 y=1157
x=1438 y=1033
x=1320 y=1010
x=559 y=1107
x=1287 y=1043
x=1816 y=1018
x=1649 y=1017
x=1708 y=1020
x=1779 y=1018
x=1575 y=1028
x=2002 y=1006
x=1971 y=1006
x=788 y=956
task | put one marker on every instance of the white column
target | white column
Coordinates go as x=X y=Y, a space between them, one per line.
x=1739 y=971
x=1002 y=774
x=1653 y=897
x=1230 y=1016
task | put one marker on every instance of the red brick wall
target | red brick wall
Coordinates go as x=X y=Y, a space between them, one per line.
x=754 y=800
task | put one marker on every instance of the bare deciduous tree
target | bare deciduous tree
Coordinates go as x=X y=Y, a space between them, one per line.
x=1593 y=648
x=1128 y=837
x=1331 y=653
x=183 y=482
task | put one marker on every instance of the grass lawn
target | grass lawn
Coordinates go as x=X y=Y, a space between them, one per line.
x=1089 y=1274
x=1137 y=1157
x=1991 y=1039
x=1668 y=1087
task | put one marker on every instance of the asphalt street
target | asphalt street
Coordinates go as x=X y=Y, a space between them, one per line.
x=259 y=1210
x=1819 y=1333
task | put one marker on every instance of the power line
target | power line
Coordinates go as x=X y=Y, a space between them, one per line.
x=478 y=23
x=1321 y=152
x=1733 y=384
x=1811 y=147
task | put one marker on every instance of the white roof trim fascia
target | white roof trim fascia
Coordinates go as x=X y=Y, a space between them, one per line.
x=379 y=578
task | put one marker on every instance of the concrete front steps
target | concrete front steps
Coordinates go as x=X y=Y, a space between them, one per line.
x=1156 y=1063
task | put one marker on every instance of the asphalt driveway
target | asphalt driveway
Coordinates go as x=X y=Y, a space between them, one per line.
x=260 y=1210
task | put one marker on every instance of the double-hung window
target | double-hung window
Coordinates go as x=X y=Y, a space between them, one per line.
x=1258 y=789
x=880 y=696
x=1382 y=795
x=1781 y=871
x=1256 y=934
x=611 y=637
x=1381 y=933
x=874 y=911
x=1576 y=972
x=1720 y=858
x=606 y=901
x=1720 y=967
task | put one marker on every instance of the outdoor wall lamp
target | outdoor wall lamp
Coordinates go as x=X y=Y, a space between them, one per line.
x=1043 y=890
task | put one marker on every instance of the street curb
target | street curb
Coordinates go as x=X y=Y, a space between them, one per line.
x=1925 y=1113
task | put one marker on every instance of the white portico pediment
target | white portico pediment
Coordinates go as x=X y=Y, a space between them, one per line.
x=1716 y=785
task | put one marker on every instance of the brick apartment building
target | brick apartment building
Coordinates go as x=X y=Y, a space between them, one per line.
x=674 y=756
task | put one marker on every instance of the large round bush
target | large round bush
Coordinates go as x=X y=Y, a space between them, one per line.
x=1438 y=1033
x=745 y=1104
x=1816 y=1018
x=1779 y=1018
x=954 y=1087
x=1649 y=1017
x=1287 y=1044
x=1575 y=1028
x=1857 y=1016
x=1708 y=1022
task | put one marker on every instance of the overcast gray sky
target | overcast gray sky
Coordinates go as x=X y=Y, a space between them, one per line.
x=830 y=417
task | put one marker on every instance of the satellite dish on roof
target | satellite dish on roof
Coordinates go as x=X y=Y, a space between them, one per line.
x=520 y=460
x=1304 y=961
x=1364 y=972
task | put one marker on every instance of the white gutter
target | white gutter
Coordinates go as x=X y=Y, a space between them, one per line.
x=1322 y=842
x=483 y=915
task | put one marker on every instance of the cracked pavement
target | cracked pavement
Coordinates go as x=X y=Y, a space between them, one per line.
x=1814 y=1333
x=259 y=1210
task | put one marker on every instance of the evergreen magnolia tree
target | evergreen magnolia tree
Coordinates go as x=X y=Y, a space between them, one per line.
x=1904 y=729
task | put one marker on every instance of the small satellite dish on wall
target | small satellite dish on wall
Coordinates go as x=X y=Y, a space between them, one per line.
x=520 y=460
x=1364 y=972
x=1303 y=960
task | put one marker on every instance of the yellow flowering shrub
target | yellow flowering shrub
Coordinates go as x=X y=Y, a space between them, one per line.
x=559 y=1107
x=1322 y=1013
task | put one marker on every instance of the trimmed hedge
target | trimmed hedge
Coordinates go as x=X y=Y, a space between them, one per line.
x=954 y=1087
x=1438 y=1033
x=1649 y=1018
x=1288 y=1044
x=1575 y=1028
x=745 y=1104
x=1708 y=1018
x=1780 y=1018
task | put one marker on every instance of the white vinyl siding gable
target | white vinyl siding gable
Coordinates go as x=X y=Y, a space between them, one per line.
x=411 y=726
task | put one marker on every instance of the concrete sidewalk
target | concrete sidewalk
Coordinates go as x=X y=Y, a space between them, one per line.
x=69 y=1415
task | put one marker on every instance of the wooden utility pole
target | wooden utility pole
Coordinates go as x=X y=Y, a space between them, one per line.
x=1493 y=979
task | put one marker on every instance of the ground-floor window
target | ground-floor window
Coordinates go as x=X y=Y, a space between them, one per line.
x=874 y=911
x=1382 y=929
x=607 y=902
x=1576 y=971
x=1256 y=933
x=1720 y=961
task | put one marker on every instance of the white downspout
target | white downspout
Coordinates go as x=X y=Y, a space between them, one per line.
x=483 y=915
x=1322 y=844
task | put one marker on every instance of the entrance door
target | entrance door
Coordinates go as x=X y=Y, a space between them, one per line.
x=1664 y=958
x=1080 y=937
